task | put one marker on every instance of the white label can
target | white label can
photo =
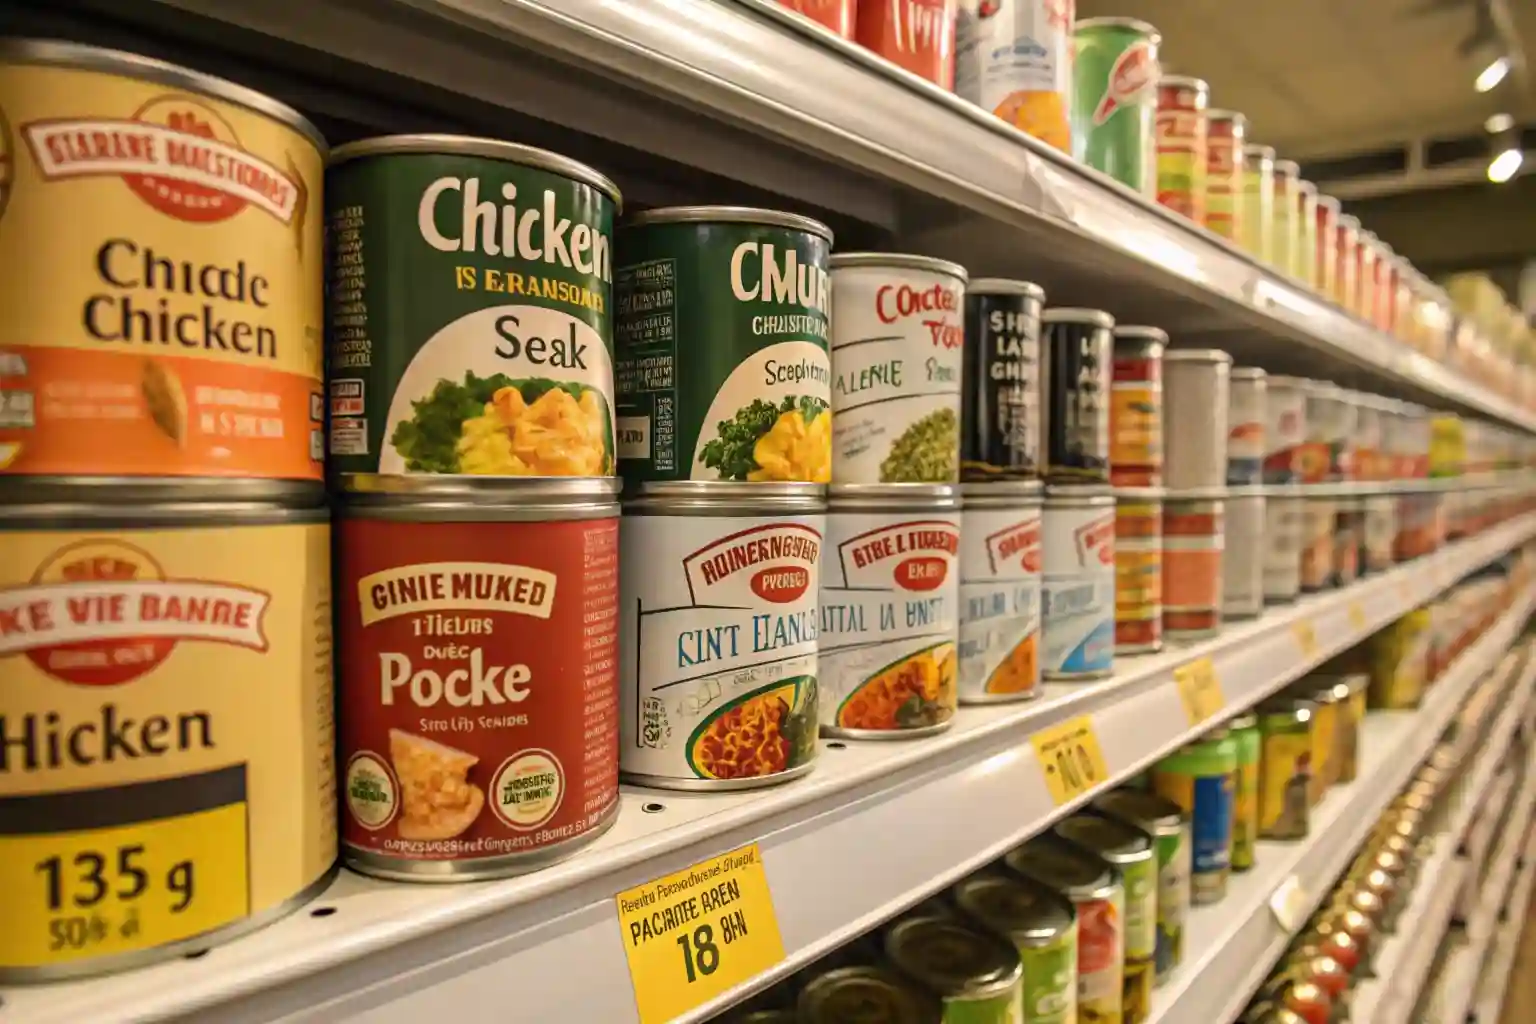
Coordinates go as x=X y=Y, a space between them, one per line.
x=1014 y=58
x=718 y=625
x=897 y=353
x=1282 y=552
x=1078 y=584
x=1285 y=428
x=1242 y=589
x=1246 y=410
x=1000 y=593
x=890 y=590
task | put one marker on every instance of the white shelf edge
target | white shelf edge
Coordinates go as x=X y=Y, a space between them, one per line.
x=1493 y=984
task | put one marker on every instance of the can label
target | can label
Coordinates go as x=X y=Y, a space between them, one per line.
x=1140 y=882
x=1224 y=177
x=1193 y=538
x=1001 y=1008
x=1284 y=780
x=1078 y=379
x=719 y=619
x=142 y=804
x=501 y=362
x=1050 y=979
x=896 y=363
x=1207 y=799
x=889 y=621
x=1245 y=433
x=1101 y=958
x=1138 y=576
x=171 y=324
x=1136 y=420
x=1078 y=589
x=837 y=15
x=1282 y=550
x=1256 y=225
x=1175 y=865
x=478 y=670
x=917 y=35
x=1245 y=814
x=1317 y=523
x=721 y=337
x=1181 y=143
x=999 y=603
x=1014 y=58
x=1243 y=555
x=1114 y=80
x=1285 y=431
x=1380 y=531
x=1000 y=408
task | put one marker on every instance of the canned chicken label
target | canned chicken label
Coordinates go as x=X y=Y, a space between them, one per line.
x=999 y=603
x=478 y=674
x=1224 y=174
x=721 y=338
x=1014 y=58
x=889 y=621
x=1243 y=556
x=1317 y=529
x=1138 y=576
x=1136 y=416
x=169 y=325
x=500 y=364
x=1078 y=588
x=719 y=621
x=166 y=738
x=896 y=362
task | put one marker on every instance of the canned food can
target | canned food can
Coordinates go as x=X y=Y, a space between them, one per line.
x=1164 y=821
x=210 y=808
x=1351 y=692
x=1399 y=656
x=1369 y=461
x=1181 y=144
x=890 y=589
x=718 y=614
x=1285 y=428
x=916 y=35
x=1196 y=385
x=1365 y=276
x=1114 y=86
x=1328 y=454
x=720 y=342
x=1319 y=517
x=1380 y=532
x=1077 y=349
x=1246 y=414
x=1325 y=244
x=1226 y=133
x=1304 y=256
x=1244 y=730
x=1284 y=528
x=1244 y=553
x=847 y=993
x=1200 y=779
x=1000 y=397
x=975 y=975
x=1287 y=224
x=163 y=320
x=837 y=15
x=478 y=638
x=897 y=354
x=1014 y=58
x=1348 y=539
x=1257 y=225
x=1138 y=570
x=1285 y=767
x=1346 y=280
x=502 y=362
x=1078 y=583
x=1042 y=926
x=1136 y=407
x=1130 y=852
x=1194 y=539
x=1000 y=592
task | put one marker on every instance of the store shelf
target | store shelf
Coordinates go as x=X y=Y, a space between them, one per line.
x=1230 y=947
x=744 y=99
x=1493 y=983
x=876 y=827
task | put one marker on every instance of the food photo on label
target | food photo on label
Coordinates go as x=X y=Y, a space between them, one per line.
x=720 y=333
x=1000 y=592
x=1077 y=352
x=502 y=362
x=1078 y=615
x=1014 y=58
x=1000 y=404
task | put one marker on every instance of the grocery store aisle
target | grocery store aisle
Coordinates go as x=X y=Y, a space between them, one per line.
x=1522 y=983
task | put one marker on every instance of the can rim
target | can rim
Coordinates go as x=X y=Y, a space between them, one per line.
x=982 y=979
x=908 y=492
x=1185 y=82
x=1197 y=355
x=1168 y=821
x=190 y=513
x=1136 y=24
x=1249 y=373
x=1077 y=315
x=902 y=260
x=729 y=215
x=1056 y=917
x=1140 y=332
x=1029 y=489
x=1135 y=845
x=1140 y=494
x=1005 y=286
x=1290 y=168
x=1247 y=491
x=1092 y=494
x=1223 y=114
x=1263 y=151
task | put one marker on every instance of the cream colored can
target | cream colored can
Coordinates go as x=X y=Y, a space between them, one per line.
x=1195 y=399
x=1000 y=592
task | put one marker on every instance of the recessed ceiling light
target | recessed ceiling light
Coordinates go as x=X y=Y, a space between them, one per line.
x=1498 y=123
x=1505 y=166
x=1492 y=74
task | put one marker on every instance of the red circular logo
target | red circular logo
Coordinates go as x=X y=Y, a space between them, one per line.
x=204 y=146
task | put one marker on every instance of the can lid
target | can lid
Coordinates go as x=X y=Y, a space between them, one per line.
x=902 y=260
x=1185 y=82
x=1289 y=168
x=1005 y=286
x=1135 y=332
x=1216 y=114
x=1197 y=355
x=1350 y=221
x=1246 y=720
x=1144 y=809
x=1330 y=202
x=1073 y=315
x=1064 y=868
x=1107 y=838
x=729 y=215
x=1282 y=381
x=1307 y=186
x=1247 y=491
x=1018 y=909
x=1026 y=490
x=952 y=959
x=1261 y=151
x=1069 y=494
x=862 y=992
x=1135 y=494
x=705 y=496
x=1134 y=24
x=1250 y=373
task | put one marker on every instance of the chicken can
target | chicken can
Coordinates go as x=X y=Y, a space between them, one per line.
x=1078 y=583
x=1246 y=413
x=163 y=287
x=1130 y=851
x=1041 y=925
x=479 y=644
x=1244 y=553
x=915 y=35
x=1196 y=385
x=502 y=362
x=1284 y=530
x=1000 y=592
x=1138 y=570
x=890 y=588
x=718 y=615
x=1000 y=399
x=1285 y=428
x=976 y=975
x=897 y=355
x=720 y=341
x=1136 y=407
x=1014 y=58
x=1194 y=542
x=1164 y=821
x=861 y=990
x=1181 y=144
x=1077 y=349
x=167 y=776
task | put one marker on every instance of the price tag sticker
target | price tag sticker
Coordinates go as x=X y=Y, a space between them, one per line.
x=1200 y=689
x=1071 y=758
x=1289 y=904
x=694 y=934
x=1357 y=620
x=1306 y=638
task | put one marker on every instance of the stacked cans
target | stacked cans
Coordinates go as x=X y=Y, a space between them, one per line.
x=1197 y=383
x=1136 y=470
x=1243 y=560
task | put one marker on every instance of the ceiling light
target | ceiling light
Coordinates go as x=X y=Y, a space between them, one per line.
x=1492 y=74
x=1498 y=123
x=1505 y=165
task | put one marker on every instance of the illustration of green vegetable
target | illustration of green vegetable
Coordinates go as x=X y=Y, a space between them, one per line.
x=731 y=452
x=926 y=452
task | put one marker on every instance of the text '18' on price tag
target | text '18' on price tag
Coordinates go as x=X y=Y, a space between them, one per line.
x=1071 y=758
x=1306 y=638
x=1199 y=689
x=694 y=934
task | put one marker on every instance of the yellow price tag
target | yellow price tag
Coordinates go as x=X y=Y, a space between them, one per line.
x=1306 y=636
x=1357 y=620
x=1071 y=758
x=694 y=934
x=1200 y=689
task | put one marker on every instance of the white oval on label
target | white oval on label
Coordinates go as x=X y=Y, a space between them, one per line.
x=371 y=793
x=527 y=789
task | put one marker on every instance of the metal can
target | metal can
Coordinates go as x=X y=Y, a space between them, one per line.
x=1366 y=249
x=1042 y=926
x=1304 y=256
x=1380 y=532
x=1348 y=538
x=1325 y=243
x=475 y=601
x=1319 y=516
x=1138 y=570
x=1196 y=386
x=168 y=726
x=502 y=362
x=1181 y=144
x=720 y=338
x=1346 y=281
x=1163 y=820
x=163 y=284
x=915 y=35
x=1332 y=419
x=1246 y=414
x=718 y=619
x=865 y=992
x=1200 y=779
x=1136 y=407
x=1285 y=768
x=1226 y=133
x=1129 y=851
x=1351 y=692
x=890 y=589
x=1000 y=529
x=1370 y=463
x=765 y=1015
x=1000 y=397
x=1077 y=600
x=1244 y=553
x=1114 y=87
x=1014 y=58
x=1285 y=428
x=1245 y=792
x=975 y=975
x=1256 y=226
x=1326 y=714
x=1287 y=229
x=1194 y=539
x=1099 y=900
x=1077 y=349
x=897 y=347
x=1283 y=531
x=837 y=15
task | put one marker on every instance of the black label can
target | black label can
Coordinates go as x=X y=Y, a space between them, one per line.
x=1077 y=352
x=1000 y=396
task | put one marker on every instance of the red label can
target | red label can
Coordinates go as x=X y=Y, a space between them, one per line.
x=478 y=685
x=918 y=35
x=1181 y=145
x=837 y=15
x=1225 y=133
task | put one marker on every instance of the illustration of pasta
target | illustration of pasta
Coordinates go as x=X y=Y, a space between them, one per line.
x=765 y=733
x=916 y=691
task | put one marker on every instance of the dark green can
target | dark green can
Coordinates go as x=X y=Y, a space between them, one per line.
x=721 y=335
x=1114 y=99
x=469 y=287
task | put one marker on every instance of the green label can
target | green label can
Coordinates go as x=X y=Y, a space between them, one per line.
x=469 y=286
x=976 y=976
x=721 y=331
x=1164 y=821
x=1114 y=92
x=1042 y=926
x=1245 y=791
